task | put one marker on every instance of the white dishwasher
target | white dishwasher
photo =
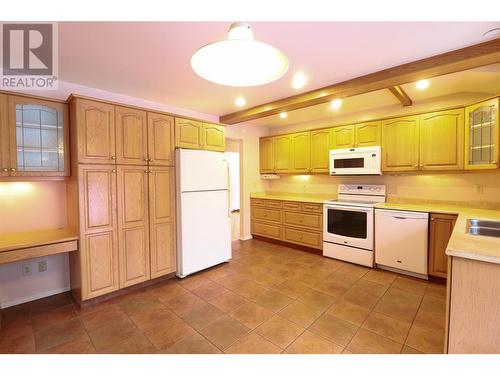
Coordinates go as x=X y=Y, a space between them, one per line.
x=401 y=241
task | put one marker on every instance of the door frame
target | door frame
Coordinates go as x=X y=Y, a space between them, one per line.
x=239 y=141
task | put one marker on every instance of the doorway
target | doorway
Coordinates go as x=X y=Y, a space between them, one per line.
x=233 y=151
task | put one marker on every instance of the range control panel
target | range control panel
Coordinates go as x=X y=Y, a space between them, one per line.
x=354 y=189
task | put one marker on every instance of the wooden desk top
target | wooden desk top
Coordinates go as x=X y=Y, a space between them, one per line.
x=22 y=240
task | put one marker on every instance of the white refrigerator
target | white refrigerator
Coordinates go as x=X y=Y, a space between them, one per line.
x=203 y=210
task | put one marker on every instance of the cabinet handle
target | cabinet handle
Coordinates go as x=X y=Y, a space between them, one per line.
x=5 y=169
x=151 y=159
x=13 y=169
x=146 y=159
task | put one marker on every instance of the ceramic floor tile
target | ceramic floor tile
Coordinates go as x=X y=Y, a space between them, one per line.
x=47 y=319
x=367 y=342
x=253 y=344
x=209 y=290
x=224 y=332
x=251 y=314
x=59 y=333
x=335 y=329
x=388 y=327
x=184 y=303
x=163 y=336
x=80 y=345
x=279 y=331
x=137 y=343
x=49 y=303
x=228 y=301
x=365 y=293
x=409 y=350
x=426 y=340
x=399 y=304
x=146 y=320
x=309 y=343
x=202 y=316
x=168 y=291
x=139 y=303
x=350 y=312
x=380 y=277
x=193 y=282
x=291 y=289
x=300 y=313
x=102 y=317
x=315 y=299
x=108 y=335
x=273 y=300
x=18 y=344
x=411 y=285
x=250 y=290
x=194 y=344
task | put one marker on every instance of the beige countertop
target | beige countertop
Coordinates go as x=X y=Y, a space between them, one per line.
x=462 y=244
x=23 y=240
x=304 y=197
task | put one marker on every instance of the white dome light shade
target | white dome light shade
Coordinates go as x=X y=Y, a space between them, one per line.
x=239 y=61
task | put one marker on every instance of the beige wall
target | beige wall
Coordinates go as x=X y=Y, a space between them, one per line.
x=249 y=153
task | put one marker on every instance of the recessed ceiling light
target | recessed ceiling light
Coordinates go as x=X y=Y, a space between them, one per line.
x=422 y=84
x=240 y=101
x=240 y=60
x=336 y=104
x=299 y=80
x=283 y=115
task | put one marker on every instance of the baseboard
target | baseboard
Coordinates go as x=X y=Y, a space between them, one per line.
x=18 y=301
x=245 y=238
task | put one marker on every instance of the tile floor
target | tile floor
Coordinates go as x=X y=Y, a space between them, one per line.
x=268 y=299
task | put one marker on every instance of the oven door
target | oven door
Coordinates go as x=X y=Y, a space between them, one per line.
x=350 y=226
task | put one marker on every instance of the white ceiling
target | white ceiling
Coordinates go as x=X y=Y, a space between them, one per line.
x=151 y=60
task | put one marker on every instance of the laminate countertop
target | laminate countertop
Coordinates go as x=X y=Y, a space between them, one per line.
x=23 y=240
x=461 y=244
x=294 y=197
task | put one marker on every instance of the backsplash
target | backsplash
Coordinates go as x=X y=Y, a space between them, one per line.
x=481 y=187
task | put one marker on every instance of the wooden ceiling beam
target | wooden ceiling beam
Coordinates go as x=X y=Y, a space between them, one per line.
x=401 y=95
x=450 y=62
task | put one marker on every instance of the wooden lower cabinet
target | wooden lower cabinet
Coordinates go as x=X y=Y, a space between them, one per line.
x=440 y=230
x=289 y=221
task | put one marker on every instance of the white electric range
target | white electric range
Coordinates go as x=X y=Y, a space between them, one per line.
x=348 y=223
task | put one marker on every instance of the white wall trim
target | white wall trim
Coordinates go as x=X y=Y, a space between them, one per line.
x=33 y=297
x=245 y=238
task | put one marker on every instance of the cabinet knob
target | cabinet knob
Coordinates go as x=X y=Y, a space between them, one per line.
x=113 y=170
x=13 y=169
x=113 y=157
x=5 y=169
x=151 y=159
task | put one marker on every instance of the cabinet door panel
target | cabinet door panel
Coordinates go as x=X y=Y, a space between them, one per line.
x=301 y=152
x=214 y=138
x=282 y=154
x=161 y=139
x=162 y=221
x=4 y=137
x=343 y=137
x=320 y=150
x=131 y=136
x=400 y=144
x=95 y=123
x=133 y=236
x=266 y=153
x=100 y=254
x=188 y=133
x=368 y=134
x=441 y=228
x=442 y=140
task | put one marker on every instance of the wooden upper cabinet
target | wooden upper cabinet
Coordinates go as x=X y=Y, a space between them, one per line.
x=320 y=150
x=4 y=137
x=482 y=129
x=368 y=134
x=95 y=123
x=301 y=152
x=131 y=136
x=188 y=133
x=282 y=154
x=400 y=144
x=133 y=229
x=98 y=230
x=162 y=221
x=214 y=137
x=442 y=140
x=441 y=228
x=343 y=137
x=266 y=155
x=38 y=137
x=161 y=139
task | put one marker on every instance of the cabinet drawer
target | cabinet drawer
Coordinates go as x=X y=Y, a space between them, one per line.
x=303 y=238
x=312 y=207
x=258 y=202
x=292 y=206
x=266 y=214
x=273 y=204
x=304 y=220
x=266 y=230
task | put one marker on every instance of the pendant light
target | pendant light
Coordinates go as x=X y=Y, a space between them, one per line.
x=240 y=60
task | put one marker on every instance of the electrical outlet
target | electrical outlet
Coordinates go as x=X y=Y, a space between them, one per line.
x=26 y=269
x=42 y=266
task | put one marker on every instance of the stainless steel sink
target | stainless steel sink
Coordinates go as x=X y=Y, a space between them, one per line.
x=480 y=227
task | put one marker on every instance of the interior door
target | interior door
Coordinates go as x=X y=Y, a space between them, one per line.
x=133 y=228
x=161 y=139
x=95 y=123
x=131 y=136
x=162 y=221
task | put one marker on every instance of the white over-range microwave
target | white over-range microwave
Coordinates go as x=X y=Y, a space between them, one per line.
x=355 y=161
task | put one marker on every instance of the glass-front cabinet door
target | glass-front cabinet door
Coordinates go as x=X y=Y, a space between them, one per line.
x=481 y=135
x=38 y=137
